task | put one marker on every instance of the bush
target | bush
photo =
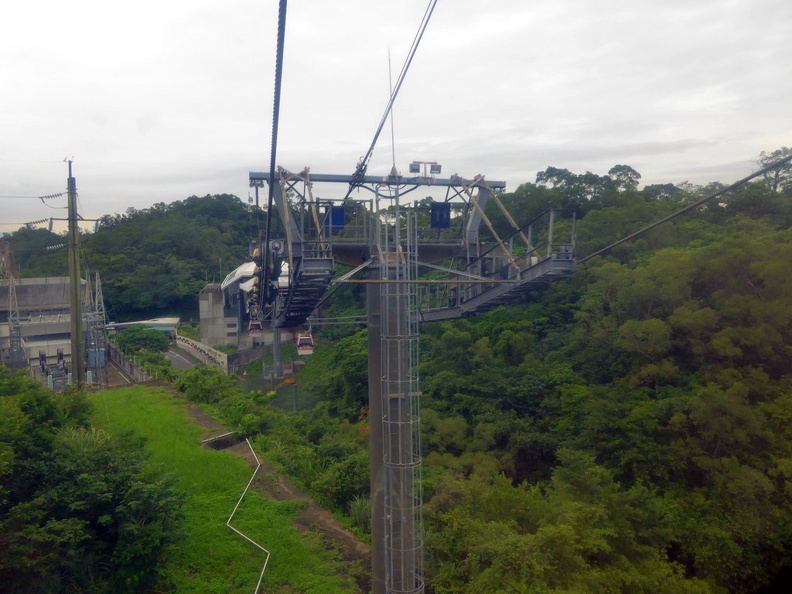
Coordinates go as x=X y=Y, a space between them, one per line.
x=80 y=510
x=205 y=384
x=138 y=338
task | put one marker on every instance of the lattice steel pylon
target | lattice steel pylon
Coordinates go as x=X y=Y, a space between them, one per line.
x=16 y=356
x=398 y=477
x=16 y=352
x=393 y=244
x=95 y=335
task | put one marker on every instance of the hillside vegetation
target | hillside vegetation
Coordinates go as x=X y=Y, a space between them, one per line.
x=210 y=558
x=638 y=419
x=81 y=509
x=156 y=260
x=627 y=430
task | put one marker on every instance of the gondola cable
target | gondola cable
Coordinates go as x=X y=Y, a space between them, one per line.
x=264 y=284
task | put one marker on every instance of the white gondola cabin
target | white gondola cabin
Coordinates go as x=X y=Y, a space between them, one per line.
x=305 y=344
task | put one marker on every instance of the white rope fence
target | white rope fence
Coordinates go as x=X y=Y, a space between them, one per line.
x=236 y=507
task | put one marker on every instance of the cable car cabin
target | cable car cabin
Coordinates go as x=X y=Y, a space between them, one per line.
x=255 y=326
x=305 y=344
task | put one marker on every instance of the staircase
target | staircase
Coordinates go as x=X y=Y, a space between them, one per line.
x=308 y=282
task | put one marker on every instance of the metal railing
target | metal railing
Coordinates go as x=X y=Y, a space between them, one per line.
x=203 y=352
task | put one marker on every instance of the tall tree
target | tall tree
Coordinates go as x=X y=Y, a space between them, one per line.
x=625 y=177
x=780 y=177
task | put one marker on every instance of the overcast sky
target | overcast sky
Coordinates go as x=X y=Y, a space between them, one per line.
x=158 y=101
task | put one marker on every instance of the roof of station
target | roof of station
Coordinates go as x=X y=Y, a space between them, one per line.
x=245 y=271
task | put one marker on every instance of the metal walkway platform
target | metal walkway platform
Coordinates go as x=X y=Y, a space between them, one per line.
x=468 y=299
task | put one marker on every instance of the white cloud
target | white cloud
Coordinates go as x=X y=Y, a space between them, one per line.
x=157 y=101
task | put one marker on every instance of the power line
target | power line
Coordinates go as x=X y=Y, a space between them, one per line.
x=360 y=170
x=45 y=197
x=264 y=276
x=29 y=161
x=681 y=211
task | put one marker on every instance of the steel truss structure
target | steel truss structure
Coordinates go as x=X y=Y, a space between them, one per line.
x=421 y=262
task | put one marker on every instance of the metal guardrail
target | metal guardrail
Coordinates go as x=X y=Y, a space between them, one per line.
x=203 y=352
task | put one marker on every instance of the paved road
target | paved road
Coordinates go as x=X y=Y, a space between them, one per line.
x=181 y=359
x=116 y=376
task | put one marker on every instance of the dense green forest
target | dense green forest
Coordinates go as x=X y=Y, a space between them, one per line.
x=152 y=261
x=627 y=430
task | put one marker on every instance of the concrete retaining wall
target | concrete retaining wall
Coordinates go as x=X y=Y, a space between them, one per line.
x=204 y=353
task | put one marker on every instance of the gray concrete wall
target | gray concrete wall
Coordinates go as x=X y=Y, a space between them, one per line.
x=203 y=352
x=213 y=323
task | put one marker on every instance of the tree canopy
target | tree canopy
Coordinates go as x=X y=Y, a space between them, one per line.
x=80 y=509
x=138 y=338
x=153 y=261
x=625 y=430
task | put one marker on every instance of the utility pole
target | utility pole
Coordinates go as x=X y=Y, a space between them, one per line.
x=75 y=286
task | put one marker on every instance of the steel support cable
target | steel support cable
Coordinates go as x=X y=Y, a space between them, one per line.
x=695 y=204
x=488 y=223
x=512 y=222
x=264 y=275
x=525 y=226
x=285 y=217
x=360 y=170
x=305 y=177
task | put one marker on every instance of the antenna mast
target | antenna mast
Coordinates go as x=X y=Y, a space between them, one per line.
x=393 y=134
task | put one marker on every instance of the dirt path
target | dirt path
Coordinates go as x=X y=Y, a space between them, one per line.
x=312 y=518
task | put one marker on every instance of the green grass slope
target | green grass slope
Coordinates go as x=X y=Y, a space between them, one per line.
x=211 y=558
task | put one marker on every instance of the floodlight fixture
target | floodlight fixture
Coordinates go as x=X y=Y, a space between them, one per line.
x=420 y=167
